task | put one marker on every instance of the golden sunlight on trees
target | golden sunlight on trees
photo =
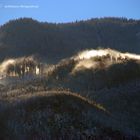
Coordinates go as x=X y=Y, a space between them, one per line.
x=21 y=67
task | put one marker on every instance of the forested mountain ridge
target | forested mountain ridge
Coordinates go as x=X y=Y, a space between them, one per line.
x=90 y=94
x=25 y=36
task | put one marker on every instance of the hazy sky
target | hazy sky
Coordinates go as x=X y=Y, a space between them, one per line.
x=68 y=10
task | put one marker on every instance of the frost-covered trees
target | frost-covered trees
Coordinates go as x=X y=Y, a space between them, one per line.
x=24 y=66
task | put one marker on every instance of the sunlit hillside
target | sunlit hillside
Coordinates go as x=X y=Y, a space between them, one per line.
x=92 y=94
x=95 y=69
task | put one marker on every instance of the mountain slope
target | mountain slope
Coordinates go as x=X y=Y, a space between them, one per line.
x=105 y=87
x=53 y=115
x=56 y=41
x=94 y=70
x=111 y=78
